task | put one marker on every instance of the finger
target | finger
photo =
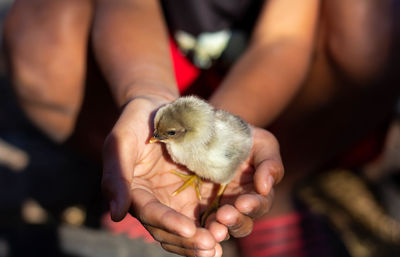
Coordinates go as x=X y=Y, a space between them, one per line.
x=150 y=211
x=201 y=240
x=217 y=252
x=254 y=205
x=118 y=163
x=267 y=161
x=239 y=225
x=178 y=250
x=218 y=230
x=116 y=190
x=264 y=176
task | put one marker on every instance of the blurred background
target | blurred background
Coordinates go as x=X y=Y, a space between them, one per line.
x=51 y=203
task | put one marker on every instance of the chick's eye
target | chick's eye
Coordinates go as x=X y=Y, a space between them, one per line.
x=171 y=133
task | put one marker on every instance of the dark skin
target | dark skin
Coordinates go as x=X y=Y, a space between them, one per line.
x=53 y=109
x=142 y=77
x=274 y=65
x=139 y=73
x=140 y=90
x=153 y=184
x=345 y=96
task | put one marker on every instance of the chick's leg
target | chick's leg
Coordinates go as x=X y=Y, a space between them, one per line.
x=191 y=179
x=214 y=205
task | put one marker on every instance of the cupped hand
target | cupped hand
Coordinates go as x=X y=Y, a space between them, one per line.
x=137 y=178
x=250 y=194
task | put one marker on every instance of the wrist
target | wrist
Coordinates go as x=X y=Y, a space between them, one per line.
x=149 y=100
x=137 y=113
x=151 y=91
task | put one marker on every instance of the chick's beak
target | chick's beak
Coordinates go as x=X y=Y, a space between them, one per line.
x=153 y=140
x=156 y=138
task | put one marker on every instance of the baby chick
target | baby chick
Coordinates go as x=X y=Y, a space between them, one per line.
x=211 y=143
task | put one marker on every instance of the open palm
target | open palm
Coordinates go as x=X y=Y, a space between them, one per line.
x=153 y=176
x=137 y=178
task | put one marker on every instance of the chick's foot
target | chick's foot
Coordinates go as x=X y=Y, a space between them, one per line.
x=191 y=179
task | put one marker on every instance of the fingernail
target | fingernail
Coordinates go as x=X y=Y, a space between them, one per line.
x=270 y=184
x=234 y=225
x=228 y=236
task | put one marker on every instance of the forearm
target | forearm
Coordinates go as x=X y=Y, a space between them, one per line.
x=271 y=71
x=264 y=81
x=131 y=46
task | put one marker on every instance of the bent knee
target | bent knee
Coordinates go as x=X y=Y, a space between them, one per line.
x=56 y=82
x=52 y=107
x=358 y=37
x=46 y=45
x=359 y=59
x=47 y=51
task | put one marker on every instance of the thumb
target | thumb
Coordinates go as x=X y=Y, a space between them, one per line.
x=116 y=190
x=118 y=163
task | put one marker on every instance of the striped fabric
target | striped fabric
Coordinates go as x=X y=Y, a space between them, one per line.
x=292 y=235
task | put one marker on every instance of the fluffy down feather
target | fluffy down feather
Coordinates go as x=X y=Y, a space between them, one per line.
x=211 y=143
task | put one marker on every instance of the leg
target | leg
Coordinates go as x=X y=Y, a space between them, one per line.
x=336 y=107
x=336 y=99
x=46 y=43
x=214 y=205
x=359 y=36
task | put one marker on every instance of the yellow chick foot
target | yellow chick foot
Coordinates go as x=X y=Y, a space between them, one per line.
x=214 y=205
x=191 y=179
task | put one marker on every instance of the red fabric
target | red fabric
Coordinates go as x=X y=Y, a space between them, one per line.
x=129 y=226
x=364 y=151
x=285 y=236
x=185 y=71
